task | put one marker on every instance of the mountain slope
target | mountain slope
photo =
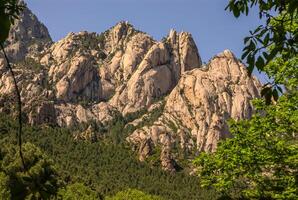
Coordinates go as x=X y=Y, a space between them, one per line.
x=89 y=77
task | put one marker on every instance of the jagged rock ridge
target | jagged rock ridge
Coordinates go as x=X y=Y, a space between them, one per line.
x=197 y=109
x=93 y=77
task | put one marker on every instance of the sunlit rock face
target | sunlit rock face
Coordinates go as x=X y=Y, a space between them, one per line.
x=197 y=109
x=90 y=77
x=158 y=72
x=27 y=36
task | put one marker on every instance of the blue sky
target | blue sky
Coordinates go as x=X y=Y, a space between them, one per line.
x=213 y=28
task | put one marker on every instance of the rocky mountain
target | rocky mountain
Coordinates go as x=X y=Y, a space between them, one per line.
x=27 y=36
x=94 y=77
x=194 y=117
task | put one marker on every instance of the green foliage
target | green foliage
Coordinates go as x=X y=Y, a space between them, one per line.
x=106 y=167
x=265 y=7
x=77 y=191
x=151 y=117
x=154 y=159
x=279 y=32
x=284 y=71
x=5 y=27
x=117 y=130
x=262 y=157
x=261 y=160
x=9 y=11
x=4 y=186
x=101 y=38
x=133 y=194
x=40 y=180
x=277 y=38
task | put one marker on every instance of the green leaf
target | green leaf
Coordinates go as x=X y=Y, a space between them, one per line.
x=293 y=5
x=251 y=62
x=265 y=54
x=268 y=97
x=266 y=39
x=257 y=29
x=275 y=94
x=4 y=27
x=251 y=46
x=262 y=32
x=265 y=91
x=236 y=12
x=250 y=69
x=260 y=63
x=246 y=10
x=246 y=39
x=279 y=89
x=272 y=54
x=244 y=54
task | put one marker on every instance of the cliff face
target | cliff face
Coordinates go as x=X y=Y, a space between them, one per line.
x=157 y=73
x=93 y=77
x=27 y=36
x=196 y=111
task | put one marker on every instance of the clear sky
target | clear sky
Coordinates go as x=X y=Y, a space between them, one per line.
x=213 y=28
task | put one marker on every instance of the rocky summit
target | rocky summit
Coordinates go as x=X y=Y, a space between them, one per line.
x=94 y=77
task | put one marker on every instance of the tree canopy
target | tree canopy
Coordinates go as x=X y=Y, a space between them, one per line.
x=39 y=181
x=77 y=191
x=261 y=160
x=133 y=194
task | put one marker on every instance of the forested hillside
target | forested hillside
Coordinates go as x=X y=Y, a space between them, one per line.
x=104 y=166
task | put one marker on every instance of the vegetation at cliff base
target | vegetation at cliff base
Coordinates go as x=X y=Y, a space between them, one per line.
x=104 y=167
x=133 y=194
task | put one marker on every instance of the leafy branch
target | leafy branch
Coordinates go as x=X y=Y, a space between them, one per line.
x=277 y=38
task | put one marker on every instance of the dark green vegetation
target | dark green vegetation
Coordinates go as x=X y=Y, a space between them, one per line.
x=105 y=167
x=133 y=194
x=77 y=191
x=9 y=11
x=261 y=160
x=39 y=180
